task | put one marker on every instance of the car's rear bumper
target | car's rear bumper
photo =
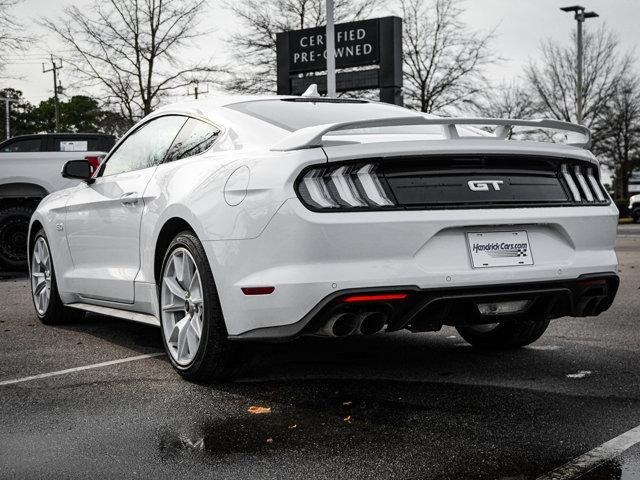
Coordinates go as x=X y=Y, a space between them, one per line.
x=430 y=309
x=309 y=256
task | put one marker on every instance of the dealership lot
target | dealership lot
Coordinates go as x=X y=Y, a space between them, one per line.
x=396 y=405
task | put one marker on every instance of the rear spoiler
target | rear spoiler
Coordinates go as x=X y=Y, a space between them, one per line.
x=311 y=137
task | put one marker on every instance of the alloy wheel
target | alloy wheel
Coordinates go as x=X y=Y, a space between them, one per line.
x=182 y=306
x=41 y=275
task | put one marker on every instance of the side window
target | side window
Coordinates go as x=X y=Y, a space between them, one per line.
x=194 y=138
x=145 y=147
x=27 y=145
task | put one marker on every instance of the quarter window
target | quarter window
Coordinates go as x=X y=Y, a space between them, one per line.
x=145 y=147
x=194 y=138
x=27 y=145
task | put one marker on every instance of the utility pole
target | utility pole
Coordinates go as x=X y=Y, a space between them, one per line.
x=56 y=103
x=331 y=51
x=7 y=103
x=196 y=90
x=580 y=15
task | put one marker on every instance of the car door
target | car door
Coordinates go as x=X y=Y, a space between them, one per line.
x=103 y=218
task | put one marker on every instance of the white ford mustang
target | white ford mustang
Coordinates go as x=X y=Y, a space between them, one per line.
x=268 y=218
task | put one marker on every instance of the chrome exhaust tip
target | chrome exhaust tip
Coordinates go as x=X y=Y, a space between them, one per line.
x=371 y=322
x=340 y=325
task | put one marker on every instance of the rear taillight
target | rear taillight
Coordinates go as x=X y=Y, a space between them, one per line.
x=344 y=187
x=94 y=161
x=582 y=183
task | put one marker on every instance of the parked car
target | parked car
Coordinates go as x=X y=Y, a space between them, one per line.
x=634 y=207
x=30 y=167
x=253 y=218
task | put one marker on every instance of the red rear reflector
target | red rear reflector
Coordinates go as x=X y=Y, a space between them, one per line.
x=584 y=283
x=375 y=298
x=258 y=290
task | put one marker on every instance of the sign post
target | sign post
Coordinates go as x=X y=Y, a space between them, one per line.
x=331 y=52
x=368 y=55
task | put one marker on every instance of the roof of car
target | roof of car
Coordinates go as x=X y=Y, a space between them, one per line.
x=66 y=134
x=210 y=104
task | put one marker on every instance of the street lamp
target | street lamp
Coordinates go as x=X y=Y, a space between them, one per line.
x=580 y=15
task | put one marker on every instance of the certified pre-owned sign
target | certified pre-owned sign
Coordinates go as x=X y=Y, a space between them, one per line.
x=356 y=45
x=368 y=56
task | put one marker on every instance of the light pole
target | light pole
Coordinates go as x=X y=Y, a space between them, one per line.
x=331 y=51
x=580 y=15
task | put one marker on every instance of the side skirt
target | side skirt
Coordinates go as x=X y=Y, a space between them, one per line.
x=114 y=312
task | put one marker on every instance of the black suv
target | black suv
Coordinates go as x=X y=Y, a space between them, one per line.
x=59 y=142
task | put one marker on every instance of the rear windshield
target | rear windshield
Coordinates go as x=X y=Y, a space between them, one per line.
x=294 y=115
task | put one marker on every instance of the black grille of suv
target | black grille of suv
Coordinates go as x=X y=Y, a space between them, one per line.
x=451 y=182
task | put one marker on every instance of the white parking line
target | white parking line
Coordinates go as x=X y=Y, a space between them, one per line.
x=594 y=458
x=79 y=369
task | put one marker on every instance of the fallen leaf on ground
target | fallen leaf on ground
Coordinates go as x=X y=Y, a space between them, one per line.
x=347 y=419
x=259 y=410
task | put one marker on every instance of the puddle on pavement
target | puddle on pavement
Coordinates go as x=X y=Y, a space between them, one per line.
x=286 y=427
x=312 y=415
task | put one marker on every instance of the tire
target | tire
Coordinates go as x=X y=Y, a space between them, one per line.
x=14 y=228
x=215 y=357
x=636 y=216
x=55 y=313
x=506 y=335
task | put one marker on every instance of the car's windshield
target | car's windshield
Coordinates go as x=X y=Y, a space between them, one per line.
x=295 y=114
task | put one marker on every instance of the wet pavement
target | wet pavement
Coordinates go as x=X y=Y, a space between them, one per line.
x=389 y=406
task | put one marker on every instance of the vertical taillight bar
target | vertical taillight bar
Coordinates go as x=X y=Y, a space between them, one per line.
x=572 y=185
x=583 y=183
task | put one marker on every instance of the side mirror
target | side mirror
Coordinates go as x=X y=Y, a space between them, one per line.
x=80 y=169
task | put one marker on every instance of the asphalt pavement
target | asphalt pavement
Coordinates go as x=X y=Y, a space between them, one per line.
x=389 y=406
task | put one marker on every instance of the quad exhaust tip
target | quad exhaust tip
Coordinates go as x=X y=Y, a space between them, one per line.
x=340 y=325
x=345 y=324
x=371 y=322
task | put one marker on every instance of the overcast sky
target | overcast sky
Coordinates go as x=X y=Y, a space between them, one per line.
x=520 y=26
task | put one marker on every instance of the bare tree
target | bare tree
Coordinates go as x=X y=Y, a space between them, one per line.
x=13 y=38
x=131 y=49
x=553 y=78
x=619 y=147
x=263 y=19
x=507 y=100
x=443 y=58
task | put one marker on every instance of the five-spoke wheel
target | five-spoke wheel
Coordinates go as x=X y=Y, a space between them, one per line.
x=193 y=328
x=182 y=306
x=44 y=289
x=41 y=275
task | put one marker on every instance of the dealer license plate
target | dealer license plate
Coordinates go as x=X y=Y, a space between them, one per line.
x=499 y=249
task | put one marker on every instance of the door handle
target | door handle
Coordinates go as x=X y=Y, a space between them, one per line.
x=128 y=199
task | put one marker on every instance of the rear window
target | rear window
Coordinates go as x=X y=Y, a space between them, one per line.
x=194 y=138
x=293 y=115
